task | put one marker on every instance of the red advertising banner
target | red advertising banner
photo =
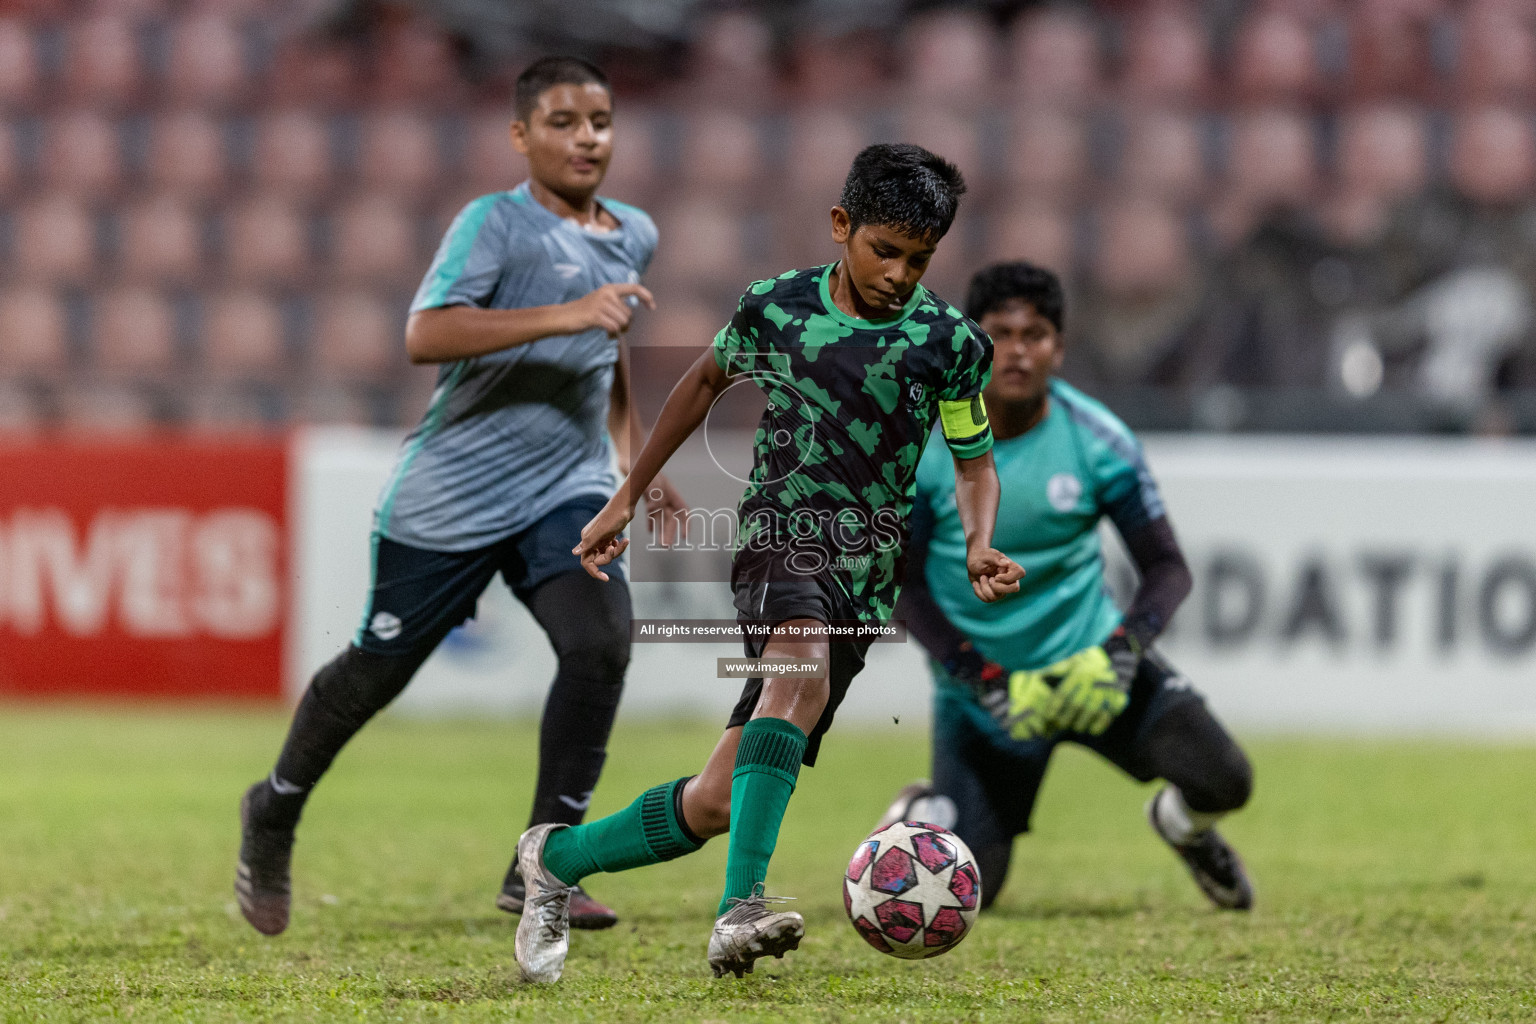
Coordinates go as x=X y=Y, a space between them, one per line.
x=151 y=568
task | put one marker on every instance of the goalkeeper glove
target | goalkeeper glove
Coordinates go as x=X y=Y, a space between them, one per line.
x=1093 y=686
x=1028 y=711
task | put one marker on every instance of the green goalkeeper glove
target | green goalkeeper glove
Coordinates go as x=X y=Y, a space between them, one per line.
x=1027 y=714
x=1093 y=686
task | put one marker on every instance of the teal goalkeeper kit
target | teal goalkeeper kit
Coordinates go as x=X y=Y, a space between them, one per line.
x=1058 y=479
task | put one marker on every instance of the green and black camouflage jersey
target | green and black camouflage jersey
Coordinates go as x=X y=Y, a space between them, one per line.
x=850 y=404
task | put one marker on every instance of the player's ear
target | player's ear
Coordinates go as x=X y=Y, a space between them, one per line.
x=840 y=222
x=519 y=133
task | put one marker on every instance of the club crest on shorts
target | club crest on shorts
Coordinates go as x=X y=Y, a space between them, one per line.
x=385 y=626
x=1062 y=491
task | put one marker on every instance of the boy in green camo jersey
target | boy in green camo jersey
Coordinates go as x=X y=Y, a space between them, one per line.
x=858 y=361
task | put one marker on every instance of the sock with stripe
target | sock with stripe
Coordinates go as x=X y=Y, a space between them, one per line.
x=767 y=765
x=648 y=831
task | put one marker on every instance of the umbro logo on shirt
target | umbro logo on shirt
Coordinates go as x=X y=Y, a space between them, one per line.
x=567 y=270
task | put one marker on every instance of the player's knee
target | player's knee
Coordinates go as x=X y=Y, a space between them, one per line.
x=600 y=656
x=1225 y=789
x=355 y=685
x=708 y=812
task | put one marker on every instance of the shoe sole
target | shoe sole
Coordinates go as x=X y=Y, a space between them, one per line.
x=268 y=920
x=775 y=945
x=581 y=922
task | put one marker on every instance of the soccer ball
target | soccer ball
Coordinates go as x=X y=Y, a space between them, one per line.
x=912 y=890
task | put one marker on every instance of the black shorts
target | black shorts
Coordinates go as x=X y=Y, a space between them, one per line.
x=768 y=602
x=419 y=595
x=993 y=779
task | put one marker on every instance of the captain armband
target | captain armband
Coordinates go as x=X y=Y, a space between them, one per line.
x=966 y=427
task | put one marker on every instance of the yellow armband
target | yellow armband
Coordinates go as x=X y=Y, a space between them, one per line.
x=966 y=427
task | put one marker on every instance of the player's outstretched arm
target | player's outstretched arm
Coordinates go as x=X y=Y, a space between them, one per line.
x=450 y=333
x=687 y=405
x=993 y=574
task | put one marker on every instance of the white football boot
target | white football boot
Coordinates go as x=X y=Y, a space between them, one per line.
x=544 y=932
x=750 y=930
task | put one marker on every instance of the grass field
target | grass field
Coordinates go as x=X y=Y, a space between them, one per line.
x=1396 y=881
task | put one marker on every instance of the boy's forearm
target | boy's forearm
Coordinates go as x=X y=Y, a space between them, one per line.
x=451 y=333
x=685 y=409
x=976 y=498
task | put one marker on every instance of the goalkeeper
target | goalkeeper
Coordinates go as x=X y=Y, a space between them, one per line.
x=1058 y=661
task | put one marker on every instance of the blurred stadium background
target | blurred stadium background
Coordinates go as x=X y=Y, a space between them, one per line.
x=1277 y=214
x=1276 y=217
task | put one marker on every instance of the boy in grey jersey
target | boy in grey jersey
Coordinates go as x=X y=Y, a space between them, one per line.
x=521 y=308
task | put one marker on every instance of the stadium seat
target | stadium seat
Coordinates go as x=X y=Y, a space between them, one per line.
x=34 y=331
x=1028 y=229
x=822 y=144
x=949 y=131
x=293 y=153
x=1167 y=58
x=1048 y=153
x=266 y=239
x=1275 y=59
x=721 y=152
x=54 y=241
x=713 y=255
x=1142 y=248
x=1496 y=58
x=1273 y=157
x=21 y=411
x=226 y=409
x=490 y=163
x=81 y=154
x=11 y=171
x=160 y=239
x=1493 y=155
x=731 y=61
x=20 y=70
x=186 y=154
x=398 y=153
x=120 y=408
x=102 y=64
x=207 y=62
x=242 y=336
x=414 y=63
x=133 y=333
x=333 y=405
x=836 y=68
x=950 y=55
x=1056 y=57
x=308 y=72
x=373 y=240
x=1390 y=51
x=355 y=336
x=1383 y=150
x=1163 y=155
x=635 y=170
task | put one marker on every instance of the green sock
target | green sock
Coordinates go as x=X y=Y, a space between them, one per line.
x=648 y=831
x=767 y=765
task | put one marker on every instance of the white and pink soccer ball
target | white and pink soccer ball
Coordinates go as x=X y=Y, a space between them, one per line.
x=912 y=890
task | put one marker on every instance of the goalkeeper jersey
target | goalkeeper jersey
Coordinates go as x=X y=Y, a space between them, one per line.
x=850 y=403
x=1058 y=480
x=511 y=435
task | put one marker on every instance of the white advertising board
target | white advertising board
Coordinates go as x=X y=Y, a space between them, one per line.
x=1341 y=584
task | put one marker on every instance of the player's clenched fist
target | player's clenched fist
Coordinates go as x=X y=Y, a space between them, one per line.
x=610 y=308
x=993 y=574
x=600 y=542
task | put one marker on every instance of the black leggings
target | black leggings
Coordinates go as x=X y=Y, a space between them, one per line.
x=587 y=622
x=1185 y=746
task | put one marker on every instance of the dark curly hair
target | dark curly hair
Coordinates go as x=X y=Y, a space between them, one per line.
x=903 y=187
x=995 y=286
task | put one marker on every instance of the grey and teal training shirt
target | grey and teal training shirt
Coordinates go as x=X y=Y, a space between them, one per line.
x=510 y=436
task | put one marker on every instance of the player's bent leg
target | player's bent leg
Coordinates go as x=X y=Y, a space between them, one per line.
x=341 y=698
x=587 y=622
x=1208 y=777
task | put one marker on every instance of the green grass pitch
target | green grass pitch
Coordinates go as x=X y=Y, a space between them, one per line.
x=1396 y=881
